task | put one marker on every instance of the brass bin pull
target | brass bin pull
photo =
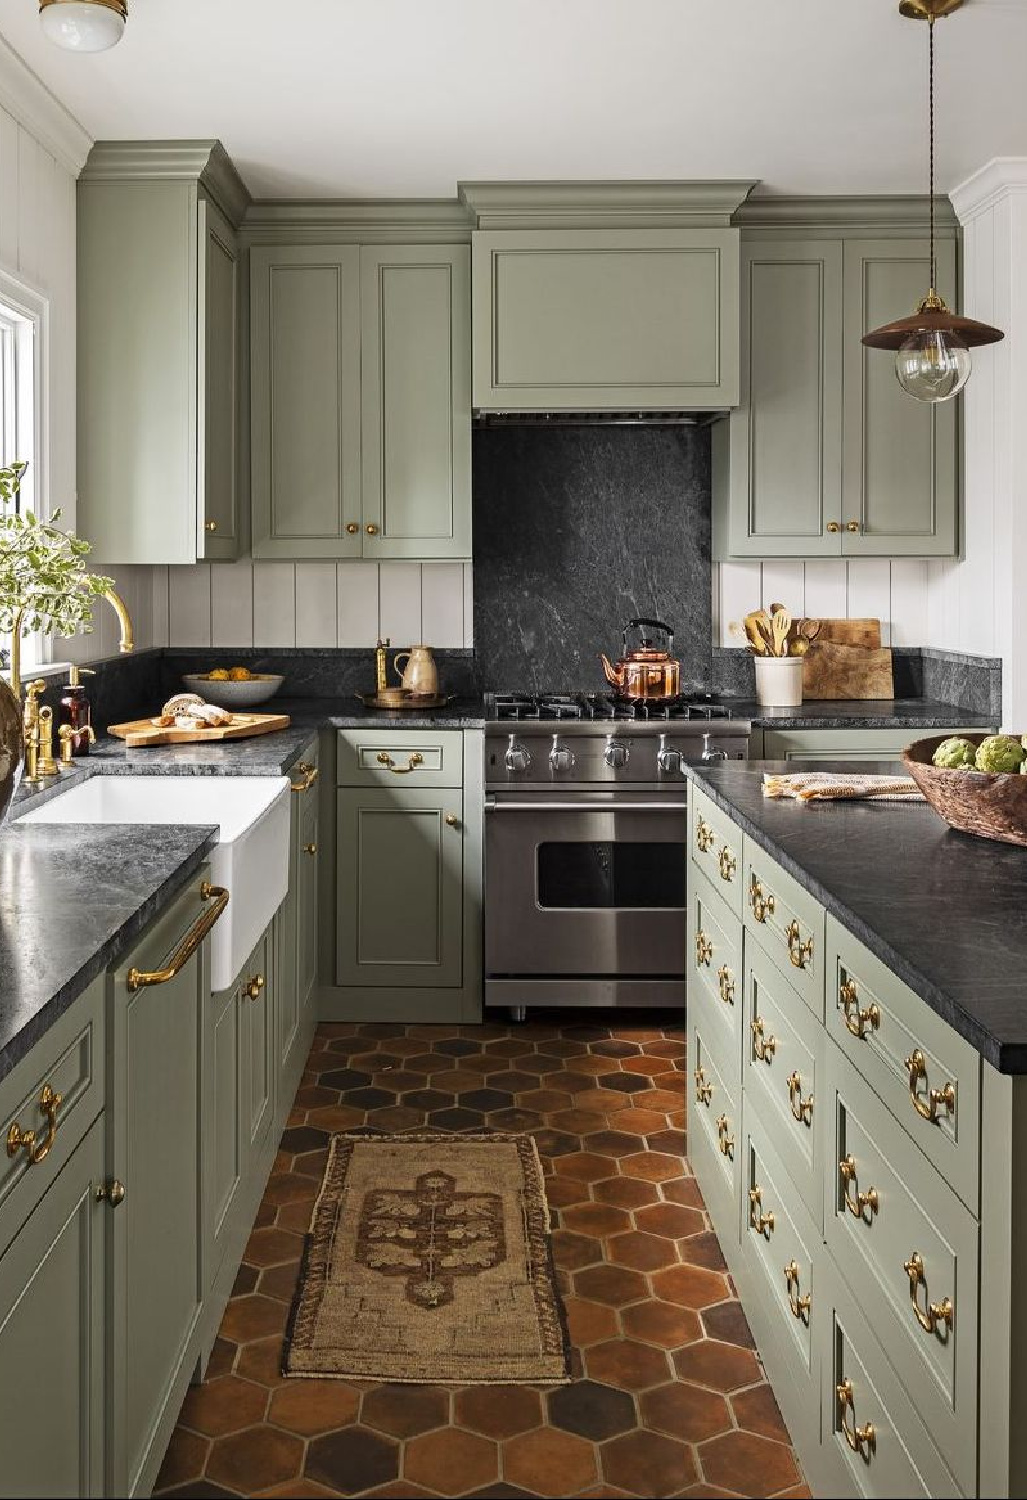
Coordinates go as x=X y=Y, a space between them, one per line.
x=308 y=775
x=703 y=950
x=758 y=1220
x=936 y=1312
x=25 y=1140
x=799 y=952
x=138 y=979
x=725 y=1141
x=857 y=1202
x=705 y=837
x=415 y=760
x=763 y=1048
x=726 y=984
x=703 y=1089
x=858 y=1438
x=762 y=906
x=937 y=1099
x=728 y=864
x=802 y=1109
x=800 y=1305
x=856 y=1020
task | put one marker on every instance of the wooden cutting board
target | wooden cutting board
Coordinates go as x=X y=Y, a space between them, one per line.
x=850 y=633
x=836 y=671
x=141 y=733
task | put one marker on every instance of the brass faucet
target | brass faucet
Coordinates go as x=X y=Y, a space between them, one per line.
x=125 y=645
x=30 y=721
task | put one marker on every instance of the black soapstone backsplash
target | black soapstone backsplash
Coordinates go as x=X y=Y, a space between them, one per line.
x=576 y=531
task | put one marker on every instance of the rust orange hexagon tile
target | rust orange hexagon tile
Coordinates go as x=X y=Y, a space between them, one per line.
x=652 y=1166
x=255 y=1459
x=184 y=1460
x=685 y=1411
x=643 y=1252
x=747 y=1463
x=225 y=1405
x=672 y=1220
x=625 y=1192
x=406 y=1410
x=451 y=1461
x=308 y=1407
x=648 y=1463
x=690 y=1286
x=616 y=1285
x=583 y=1165
x=661 y=1323
x=589 y=1322
x=722 y=1367
x=599 y=1219
x=627 y=1364
x=549 y=1462
x=498 y=1411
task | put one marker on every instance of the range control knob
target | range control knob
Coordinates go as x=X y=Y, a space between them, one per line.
x=617 y=753
x=517 y=757
x=561 y=757
x=669 y=759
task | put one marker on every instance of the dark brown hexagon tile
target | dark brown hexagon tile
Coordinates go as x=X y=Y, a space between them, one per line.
x=405 y=1410
x=624 y=1083
x=619 y=1047
x=593 y=1411
x=647 y=1463
x=308 y=1407
x=727 y=1322
x=600 y=1219
x=723 y=1367
x=756 y=1410
x=575 y=1251
x=297 y=1489
x=396 y=1117
x=261 y=1361
x=352 y=1459
x=451 y=1461
x=273 y=1247
x=456 y=1119
x=255 y=1459
x=429 y=1099
x=627 y=1364
x=555 y=1142
x=335 y=1117
x=685 y=1411
x=672 y=1141
x=184 y=1460
x=579 y=1121
x=498 y=1411
x=616 y=1285
x=661 y=1323
x=225 y=1405
x=516 y=1119
x=749 y=1464
x=550 y=1462
x=703 y=1250
x=668 y=1047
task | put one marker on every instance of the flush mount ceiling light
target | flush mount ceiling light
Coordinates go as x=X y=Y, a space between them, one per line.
x=932 y=348
x=84 y=25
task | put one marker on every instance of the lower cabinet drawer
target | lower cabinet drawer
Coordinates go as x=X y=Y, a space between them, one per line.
x=714 y=958
x=909 y=1250
x=716 y=848
x=714 y=1134
x=873 y=1442
x=405 y=758
x=782 y=1075
x=787 y=923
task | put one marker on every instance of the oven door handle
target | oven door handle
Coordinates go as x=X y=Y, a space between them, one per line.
x=582 y=806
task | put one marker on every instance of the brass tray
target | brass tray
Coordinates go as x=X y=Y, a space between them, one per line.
x=412 y=701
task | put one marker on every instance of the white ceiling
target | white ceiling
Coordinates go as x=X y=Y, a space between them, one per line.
x=380 y=98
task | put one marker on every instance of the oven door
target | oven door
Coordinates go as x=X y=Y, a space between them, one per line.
x=588 y=884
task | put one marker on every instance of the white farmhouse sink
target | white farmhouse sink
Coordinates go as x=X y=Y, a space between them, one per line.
x=251 y=857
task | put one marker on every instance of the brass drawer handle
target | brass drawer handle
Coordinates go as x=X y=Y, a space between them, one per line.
x=758 y=1220
x=705 y=837
x=802 y=1109
x=937 y=1099
x=937 y=1312
x=703 y=950
x=138 y=979
x=728 y=864
x=763 y=1048
x=253 y=987
x=856 y=1020
x=858 y=1438
x=725 y=1141
x=799 y=952
x=703 y=1089
x=111 y=1192
x=726 y=984
x=857 y=1202
x=762 y=906
x=309 y=848
x=308 y=775
x=25 y=1140
x=800 y=1305
x=415 y=760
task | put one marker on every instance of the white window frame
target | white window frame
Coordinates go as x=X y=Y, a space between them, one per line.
x=24 y=408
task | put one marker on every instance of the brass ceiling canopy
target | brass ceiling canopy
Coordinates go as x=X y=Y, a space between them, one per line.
x=928 y=10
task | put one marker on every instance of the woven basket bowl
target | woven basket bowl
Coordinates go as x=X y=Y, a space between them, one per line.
x=991 y=807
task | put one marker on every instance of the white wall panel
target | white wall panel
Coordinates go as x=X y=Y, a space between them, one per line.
x=9 y=205
x=161 y=617
x=737 y=591
x=870 y=592
x=909 y=588
x=316 y=604
x=231 y=604
x=357 y=595
x=274 y=604
x=189 y=605
x=826 y=588
x=784 y=582
x=399 y=602
x=442 y=604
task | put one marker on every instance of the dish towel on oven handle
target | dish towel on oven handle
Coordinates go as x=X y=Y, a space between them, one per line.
x=832 y=786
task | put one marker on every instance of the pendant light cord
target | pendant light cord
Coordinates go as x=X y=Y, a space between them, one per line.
x=930 y=53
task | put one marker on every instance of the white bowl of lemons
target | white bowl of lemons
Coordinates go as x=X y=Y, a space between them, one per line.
x=234 y=688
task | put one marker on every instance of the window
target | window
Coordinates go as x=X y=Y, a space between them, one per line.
x=22 y=344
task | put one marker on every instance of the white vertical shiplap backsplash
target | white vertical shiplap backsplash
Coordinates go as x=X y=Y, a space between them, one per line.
x=893 y=590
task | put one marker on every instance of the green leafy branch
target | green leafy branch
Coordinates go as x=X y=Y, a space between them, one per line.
x=43 y=575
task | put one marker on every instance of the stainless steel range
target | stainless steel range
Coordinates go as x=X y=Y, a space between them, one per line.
x=586 y=845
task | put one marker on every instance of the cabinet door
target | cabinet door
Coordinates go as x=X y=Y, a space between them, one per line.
x=51 y=1338
x=899 y=475
x=840 y=744
x=306 y=909
x=416 y=400
x=155 y=1145
x=297 y=934
x=784 y=443
x=400 y=889
x=226 y=1163
x=217 y=426
x=305 y=400
x=257 y=1049
x=605 y=319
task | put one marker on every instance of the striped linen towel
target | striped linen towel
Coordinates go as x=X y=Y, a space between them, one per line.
x=830 y=786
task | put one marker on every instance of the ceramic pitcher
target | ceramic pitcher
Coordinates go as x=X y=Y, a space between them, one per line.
x=420 y=675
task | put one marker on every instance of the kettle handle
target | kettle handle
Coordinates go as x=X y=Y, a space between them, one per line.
x=652 y=625
x=396 y=663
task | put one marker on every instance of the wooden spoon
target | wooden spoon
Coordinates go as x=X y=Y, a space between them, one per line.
x=782 y=624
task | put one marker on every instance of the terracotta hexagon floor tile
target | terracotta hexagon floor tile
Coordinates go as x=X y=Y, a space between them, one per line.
x=599 y=1219
x=498 y=1411
x=248 y=1318
x=311 y=1164
x=690 y=1286
x=616 y=1285
x=451 y=1461
x=563 y=1192
x=589 y=1322
x=594 y=1062
x=727 y=1322
x=723 y=1367
x=643 y=1252
x=395 y=1117
x=584 y=1165
x=661 y=1323
x=685 y=1411
x=222 y=1358
x=703 y=1250
x=555 y=1143
x=672 y=1141
x=352 y=1459
x=642 y=1122
x=614 y=1143
x=402 y=1489
x=663 y=1101
x=575 y=1251
x=747 y=1463
x=549 y=1462
x=593 y=1411
x=625 y=1192
x=627 y=1364
x=670 y=1219
x=405 y=1410
x=684 y=1190
x=255 y=1459
x=279 y=1282
x=261 y=1361
x=184 y=1460
x=295 y=1216
x=756 y=1410
x=652 y=1166
x=336 y=1117
x=225 y=1405
x=309 y=1407
x=648 y=1463
x=644 y=1064
x=298 y=1489
x=579 y=1121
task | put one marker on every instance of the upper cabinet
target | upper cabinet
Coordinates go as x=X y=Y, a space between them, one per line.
x=360 y=401
x=826 y=455
x=158 y=352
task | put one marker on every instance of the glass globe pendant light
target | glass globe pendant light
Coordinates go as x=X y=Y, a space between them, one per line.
x=83 y=25
x=932 y=348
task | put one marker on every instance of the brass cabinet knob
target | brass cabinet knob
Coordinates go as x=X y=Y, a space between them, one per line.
x=762 y=906
x=452 y=821
x=852 y=526
x=352 y=527
x=210 y=526
x=255 y=986
x=112 y=1192
x=371 y=529
x=728 y=864
x=309 y=848
x=833 y=527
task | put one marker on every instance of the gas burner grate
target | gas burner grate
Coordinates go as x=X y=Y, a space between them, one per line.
x=604 y=706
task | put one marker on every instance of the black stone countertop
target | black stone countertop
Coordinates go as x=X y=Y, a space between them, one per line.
x=72 y=900
x=943 y=910
x=898 y=713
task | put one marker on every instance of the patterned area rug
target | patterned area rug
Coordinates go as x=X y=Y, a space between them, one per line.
x=429 y=1259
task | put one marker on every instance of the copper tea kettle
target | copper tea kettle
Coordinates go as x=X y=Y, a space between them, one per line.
x=647 y=673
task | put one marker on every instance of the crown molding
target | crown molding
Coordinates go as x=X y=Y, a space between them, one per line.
x=981 y=191
x=39 y=112
x=602 y=205
x=206 y=162
x=357 y=220
x=829 y=211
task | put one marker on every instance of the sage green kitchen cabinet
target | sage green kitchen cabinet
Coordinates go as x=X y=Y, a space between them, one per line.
x=158 y=352
x=826 y=455
x=52 y=1341
x=225 y=1173
x=605 y=319
x=258 y=1048
x=155 y=1128
x=841 y=744
x=361 y=411
x=297 y=926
